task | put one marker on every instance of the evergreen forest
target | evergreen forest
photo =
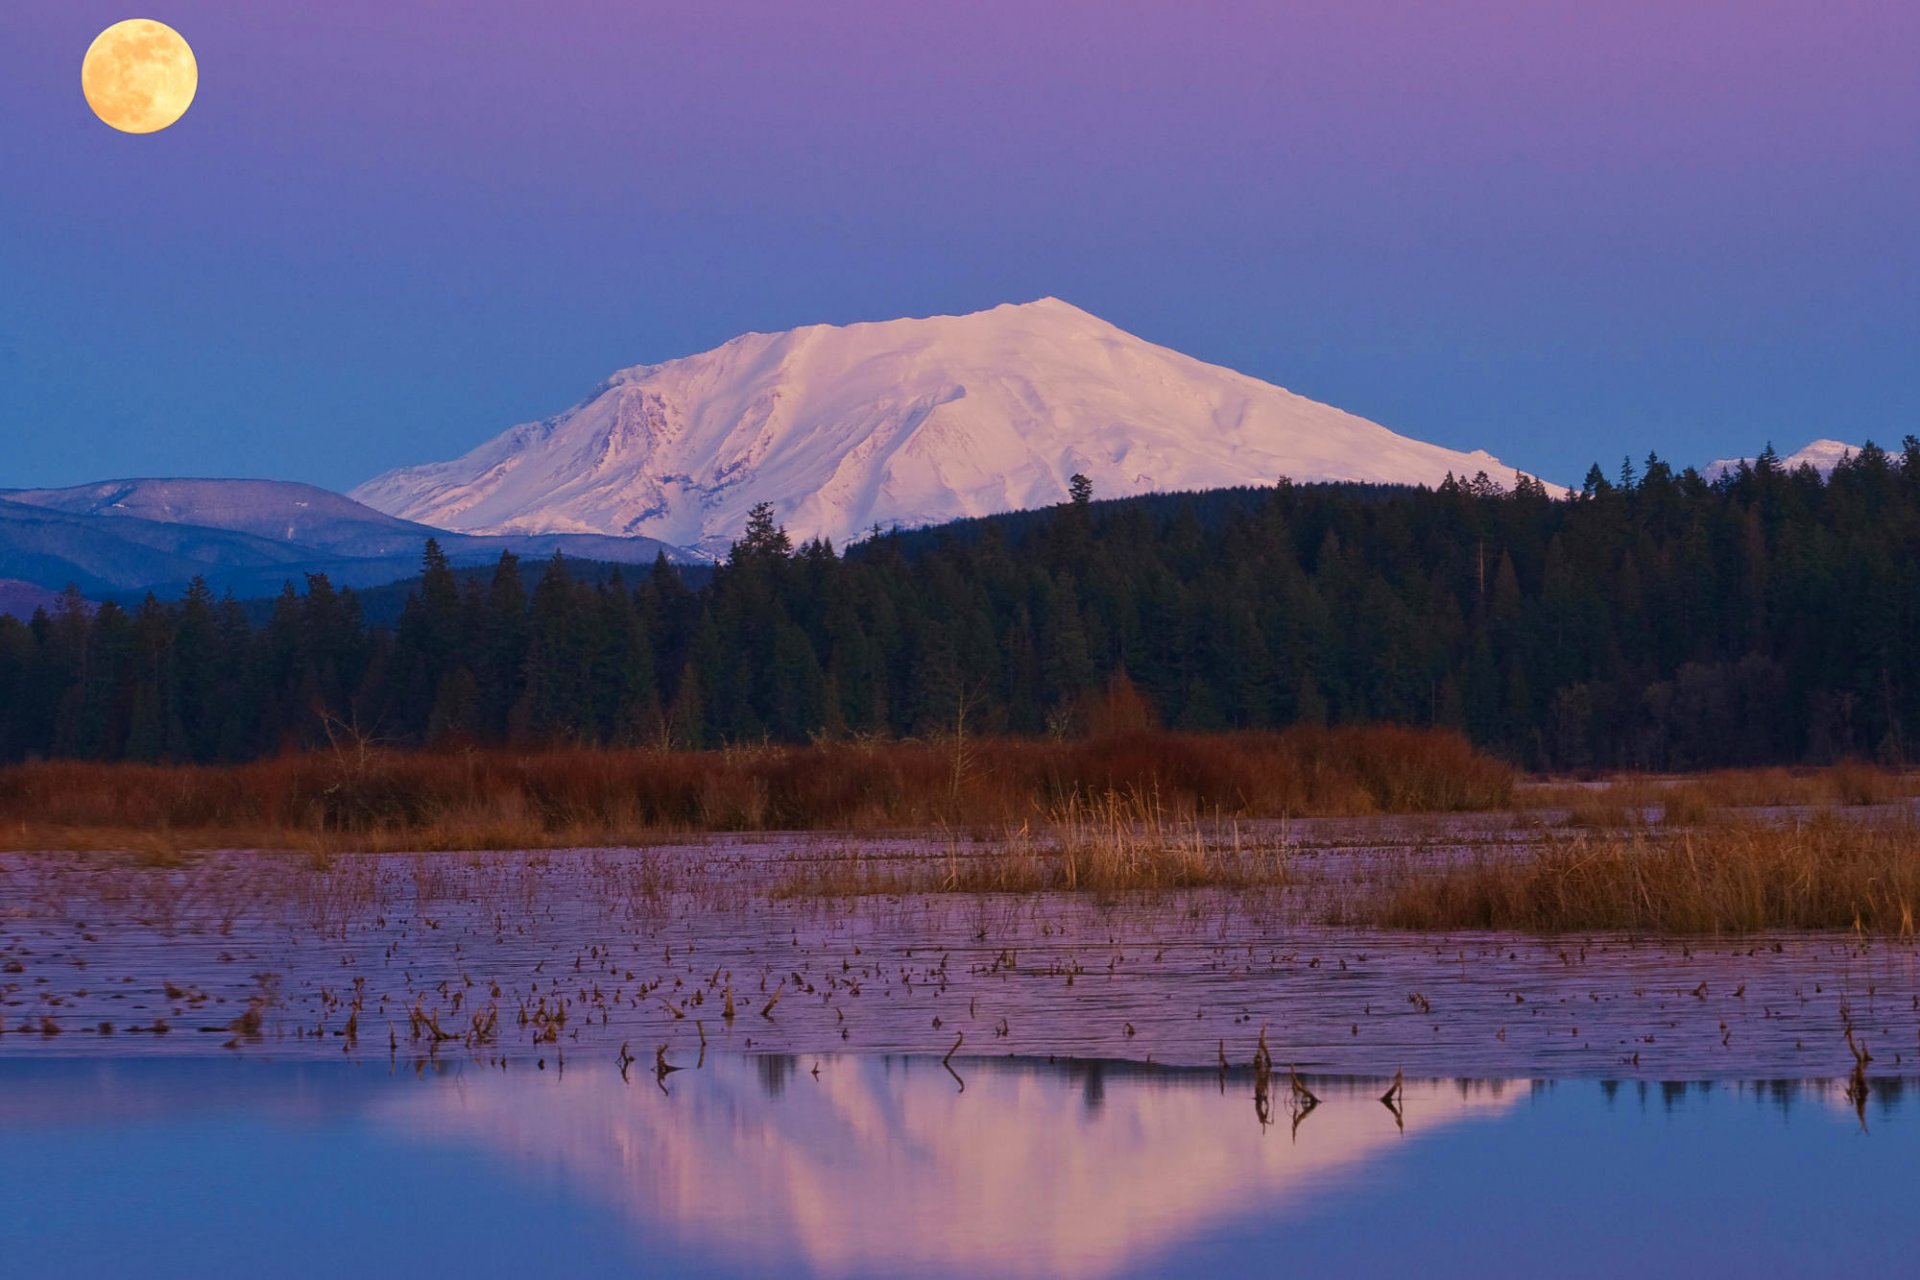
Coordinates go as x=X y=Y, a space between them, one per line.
x=1652 y=619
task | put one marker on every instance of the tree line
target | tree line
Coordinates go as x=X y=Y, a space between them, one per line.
x=1652 y=620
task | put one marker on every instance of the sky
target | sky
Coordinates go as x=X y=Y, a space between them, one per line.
x=1560 y=231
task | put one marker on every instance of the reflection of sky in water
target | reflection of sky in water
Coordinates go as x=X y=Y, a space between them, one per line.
x=878 y=1167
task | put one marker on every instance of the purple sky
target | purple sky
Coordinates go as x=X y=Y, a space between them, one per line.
x=387 y=230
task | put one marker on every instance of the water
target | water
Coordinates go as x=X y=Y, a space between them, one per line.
x=642 y=946
x=886 y=1166
x=412 y=1065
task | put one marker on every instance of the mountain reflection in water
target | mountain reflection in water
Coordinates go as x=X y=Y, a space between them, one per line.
x=1029 y=1170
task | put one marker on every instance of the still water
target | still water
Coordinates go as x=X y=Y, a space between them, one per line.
x=890 y=1166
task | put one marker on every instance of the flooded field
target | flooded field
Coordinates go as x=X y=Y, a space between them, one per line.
x=822 y=1055
x=578 y=956
x=877 y=1166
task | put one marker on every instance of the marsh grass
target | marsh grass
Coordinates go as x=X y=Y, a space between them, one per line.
x=1111 y=843
x=392 y=800
x=1637 y=799
x=1733 y=877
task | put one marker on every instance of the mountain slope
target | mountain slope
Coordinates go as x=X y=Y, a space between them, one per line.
x=304 y=522
x=248 y=536
x=51 y=548
x=20 y=599
x=282 y=511
x=906 y=421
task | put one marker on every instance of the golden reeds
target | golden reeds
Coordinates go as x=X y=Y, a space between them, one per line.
x=1729 y=878
x=567 y=796
x=1103 y=844
x=1631 y=799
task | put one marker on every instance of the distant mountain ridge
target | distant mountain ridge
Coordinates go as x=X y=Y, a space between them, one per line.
x=911 y=422
x=247 y=536
x=1822 y=455
x=278 y=510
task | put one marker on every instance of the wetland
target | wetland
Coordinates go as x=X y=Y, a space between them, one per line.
x=1112 y=1040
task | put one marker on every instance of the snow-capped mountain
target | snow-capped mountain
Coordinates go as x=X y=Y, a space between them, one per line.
x=279 y=510
x=307 y=519
x=250 y=536
x=908 y=422
x=1822 y=455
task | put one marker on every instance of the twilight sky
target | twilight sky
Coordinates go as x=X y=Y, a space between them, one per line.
x=388 y=229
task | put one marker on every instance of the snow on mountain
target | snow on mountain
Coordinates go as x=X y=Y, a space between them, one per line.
x=281 y=510
x=250 y=536
x=1822 y=455
x=908 y=422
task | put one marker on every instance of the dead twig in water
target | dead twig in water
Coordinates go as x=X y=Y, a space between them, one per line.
x=1392 y=1098
x=947 y=1062
x=1857 y=1090
x=662 y=1068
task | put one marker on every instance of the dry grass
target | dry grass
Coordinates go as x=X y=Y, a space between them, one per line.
x=1631 y=799
x=497 y=799
x=1731 y=878
x=1108 y=844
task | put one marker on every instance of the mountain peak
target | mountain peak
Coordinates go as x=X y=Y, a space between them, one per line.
x=911 y=421
x=1822 y=455
x=1048 y=312
x=1049 y=305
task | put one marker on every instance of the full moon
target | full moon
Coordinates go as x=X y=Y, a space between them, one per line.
x=139 y=75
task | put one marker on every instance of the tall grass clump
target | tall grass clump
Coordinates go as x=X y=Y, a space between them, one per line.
x=1734 y=878
x=1105 y=844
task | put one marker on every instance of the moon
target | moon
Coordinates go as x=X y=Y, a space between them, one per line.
x=139 y=75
